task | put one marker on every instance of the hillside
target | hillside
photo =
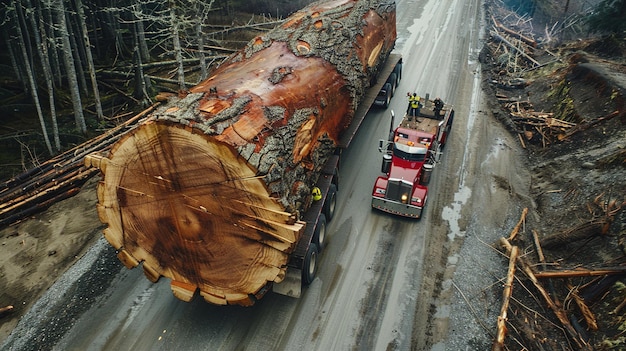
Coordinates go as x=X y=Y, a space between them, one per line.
x=566 y=104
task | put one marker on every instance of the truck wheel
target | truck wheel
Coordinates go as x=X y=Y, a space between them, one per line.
x=331 y=203
x=393 y=80
x=319 y=235
x=387 y=95
x=309 y=268
x=398 y=71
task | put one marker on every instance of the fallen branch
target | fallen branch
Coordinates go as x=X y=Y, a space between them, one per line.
x=518 y=225
x=589 y=317
x=558 y=311
x=6 y=309
x=506 y=296
x=577 y=273
x=517 y=35
x=579 y=232
x=520 y=51
x=586 y=125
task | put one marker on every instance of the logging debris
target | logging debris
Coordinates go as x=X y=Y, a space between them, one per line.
x=582 y=300
x=57 y=178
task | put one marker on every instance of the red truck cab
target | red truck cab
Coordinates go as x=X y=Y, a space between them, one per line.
x=409 y=156
x=402 y=191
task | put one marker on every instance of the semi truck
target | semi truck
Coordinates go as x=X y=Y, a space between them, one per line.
x=410 y=154
x=226 y=189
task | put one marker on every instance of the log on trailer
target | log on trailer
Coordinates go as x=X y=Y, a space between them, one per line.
x=209 y=189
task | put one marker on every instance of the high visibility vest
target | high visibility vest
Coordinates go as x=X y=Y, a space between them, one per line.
x=415 y=103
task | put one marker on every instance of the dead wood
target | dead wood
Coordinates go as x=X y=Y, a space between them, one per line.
x=619 y=307
x=58 y=178
x=525 y=324
x=579 y=232
x=516 y=48
x=588 y=315
x=6 y=309
x=518 y=225
x=581 y=272
x=558 y=311
x=515 y=34
x=506 y=296
x=588 y=124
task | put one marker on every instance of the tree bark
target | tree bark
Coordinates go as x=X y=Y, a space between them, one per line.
x=70 y=68
x=506 y=296
x=208 y=191
x=89 y=57
x=39 y=34
x=31 y=79
x=178 y=52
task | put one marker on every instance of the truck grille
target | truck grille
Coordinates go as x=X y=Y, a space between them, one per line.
x=396 y=188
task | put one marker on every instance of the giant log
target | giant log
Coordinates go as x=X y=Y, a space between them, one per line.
x=209 y=189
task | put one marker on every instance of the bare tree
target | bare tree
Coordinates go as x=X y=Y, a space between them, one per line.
x=69 y=66
x=30 y=75
x=178 y=52
x=90 y=64
x=42 y=51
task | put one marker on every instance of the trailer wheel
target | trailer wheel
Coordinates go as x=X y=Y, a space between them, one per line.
x=319 y=235
x=331 y=203
x=393 y=80
x=398 y=71
x=387 y=95
x=309 y=269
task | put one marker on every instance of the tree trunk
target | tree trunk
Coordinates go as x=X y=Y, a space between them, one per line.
x=209 y=190
x=89 y=57
x=141 y=33
x=42 y=45
x=78 y=49
x=31 y=80
x=19 y=73
x=70 y=68
x=178 y=51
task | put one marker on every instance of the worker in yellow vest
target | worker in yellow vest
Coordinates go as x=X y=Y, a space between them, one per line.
x=414 y=105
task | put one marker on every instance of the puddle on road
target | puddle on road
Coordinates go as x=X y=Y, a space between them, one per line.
x=452 y=213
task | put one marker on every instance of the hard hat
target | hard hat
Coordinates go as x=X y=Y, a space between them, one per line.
x=317 y=194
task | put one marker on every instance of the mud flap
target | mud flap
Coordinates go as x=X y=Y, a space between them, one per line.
x=292 y=284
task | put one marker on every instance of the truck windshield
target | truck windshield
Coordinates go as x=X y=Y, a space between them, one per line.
x=409 y=156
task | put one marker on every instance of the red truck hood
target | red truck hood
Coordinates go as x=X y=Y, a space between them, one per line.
x=403 y=169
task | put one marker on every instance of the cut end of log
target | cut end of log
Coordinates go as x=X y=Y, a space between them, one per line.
x=193 y=210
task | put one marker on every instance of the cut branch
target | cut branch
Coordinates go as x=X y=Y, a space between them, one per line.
x=558 y=311
x=506 y=296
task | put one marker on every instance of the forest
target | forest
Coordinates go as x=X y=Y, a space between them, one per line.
x=72 y=69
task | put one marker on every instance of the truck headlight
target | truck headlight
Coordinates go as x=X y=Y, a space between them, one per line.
x=404 y=198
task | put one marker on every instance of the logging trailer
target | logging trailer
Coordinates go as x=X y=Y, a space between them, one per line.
x=302 y=266
x=409 y=156
x=213 y=188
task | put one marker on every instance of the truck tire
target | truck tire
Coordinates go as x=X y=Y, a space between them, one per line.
x=398 y=71
x=393 y=80
x=309 y=267
x=447 y=132
x=387 y=95
x=319 y=235
x=330 y=205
